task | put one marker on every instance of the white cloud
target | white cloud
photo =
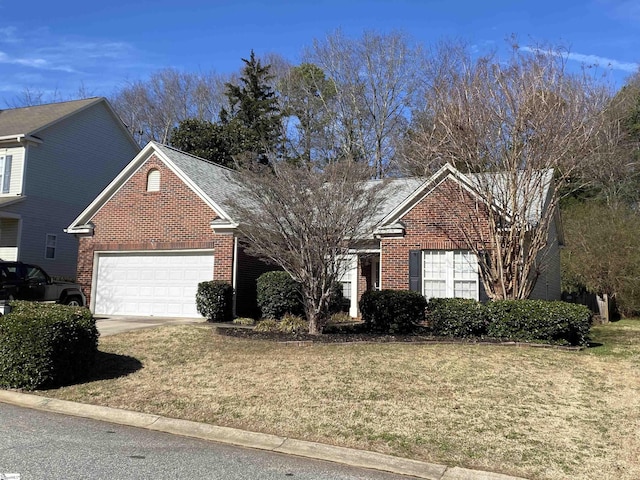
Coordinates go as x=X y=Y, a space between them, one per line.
x=8 y=35
x=589 y=59
x=40 y=59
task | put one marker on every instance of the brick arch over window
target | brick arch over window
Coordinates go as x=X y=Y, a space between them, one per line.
x=153 y=180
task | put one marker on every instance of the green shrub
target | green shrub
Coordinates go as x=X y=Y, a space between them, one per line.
x=214 y=301
x=338 y=303
x=46 y=345
x=278 y=294
x=293 y=324
x=392 y=311
x=244 y=321
x=457 y=317
x=268 y=325
x=539 y=320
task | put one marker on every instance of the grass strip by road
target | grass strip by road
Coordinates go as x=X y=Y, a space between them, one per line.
x=535 y=413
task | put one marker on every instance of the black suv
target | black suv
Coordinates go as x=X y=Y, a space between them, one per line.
x=21 y=281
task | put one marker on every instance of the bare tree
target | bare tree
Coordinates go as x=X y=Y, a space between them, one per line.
x=375 y=79
x=305 y=221
x=152 y=108
x=523 y=126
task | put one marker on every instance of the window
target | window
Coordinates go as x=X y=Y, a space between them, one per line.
x=153 y=180
x=447 y=273
x=50 y=246
x=346 y=290
x=5 y=173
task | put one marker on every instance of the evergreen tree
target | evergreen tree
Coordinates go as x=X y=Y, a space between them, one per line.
x=254 y=108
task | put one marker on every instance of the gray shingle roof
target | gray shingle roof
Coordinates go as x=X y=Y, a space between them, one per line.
x=29 y=120
x=393 y=192
x=220 y=184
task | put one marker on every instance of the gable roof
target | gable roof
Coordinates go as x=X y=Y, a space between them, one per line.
x=534 y=199
x=216 y=184
x=213 y=183
x=18 y=123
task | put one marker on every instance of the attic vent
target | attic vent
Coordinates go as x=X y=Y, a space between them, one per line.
x=153 y=180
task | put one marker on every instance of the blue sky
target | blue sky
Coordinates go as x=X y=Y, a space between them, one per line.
x=52 y=46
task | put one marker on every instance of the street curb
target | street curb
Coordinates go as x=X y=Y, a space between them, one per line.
x=261 y=441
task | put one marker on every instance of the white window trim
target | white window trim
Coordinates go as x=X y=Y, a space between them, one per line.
x=47 y=245
x=449 y=274
x=3 y=173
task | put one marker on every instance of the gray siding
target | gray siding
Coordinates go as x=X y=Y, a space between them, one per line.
x=79 y=156
x=548 y=285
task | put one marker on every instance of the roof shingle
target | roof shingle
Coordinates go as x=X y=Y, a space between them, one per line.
x=29 y=120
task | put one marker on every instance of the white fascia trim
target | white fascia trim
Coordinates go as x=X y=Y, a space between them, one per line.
x=353 y=251
x=223 y=227
x=20 y=139
x=80 y=230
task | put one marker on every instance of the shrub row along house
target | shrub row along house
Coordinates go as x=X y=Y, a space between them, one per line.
x=164 y=224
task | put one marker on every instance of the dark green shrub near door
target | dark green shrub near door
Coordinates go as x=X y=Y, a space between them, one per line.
x=392 y=311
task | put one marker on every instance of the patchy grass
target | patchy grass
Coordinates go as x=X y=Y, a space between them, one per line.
x=536 y=413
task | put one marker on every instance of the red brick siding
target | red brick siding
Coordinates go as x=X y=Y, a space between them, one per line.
x=433 y=223
x=174 y=218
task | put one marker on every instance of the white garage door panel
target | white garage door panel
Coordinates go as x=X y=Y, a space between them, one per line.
x=154 y=283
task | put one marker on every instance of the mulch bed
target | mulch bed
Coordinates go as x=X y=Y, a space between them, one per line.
x=301 y=339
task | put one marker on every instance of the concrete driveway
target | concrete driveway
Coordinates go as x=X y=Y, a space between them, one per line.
x=110 y=325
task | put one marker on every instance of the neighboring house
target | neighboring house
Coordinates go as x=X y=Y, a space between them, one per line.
x=54 y=160
x=164 y=225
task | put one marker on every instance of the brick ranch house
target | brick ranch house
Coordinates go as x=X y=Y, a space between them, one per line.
x=163 y=225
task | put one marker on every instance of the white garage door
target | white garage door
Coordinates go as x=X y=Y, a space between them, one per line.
x=162 y=284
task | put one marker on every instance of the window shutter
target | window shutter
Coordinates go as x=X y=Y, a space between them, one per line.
x=6 y=177
x=415 y=270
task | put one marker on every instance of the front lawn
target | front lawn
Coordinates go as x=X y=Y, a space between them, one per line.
x=536 y=413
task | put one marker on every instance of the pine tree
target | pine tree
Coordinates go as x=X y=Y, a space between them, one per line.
x=254 y=108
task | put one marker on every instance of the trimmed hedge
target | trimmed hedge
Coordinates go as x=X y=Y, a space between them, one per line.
x=278 y=294
x=214 y=301
x=46 y=345
x=521 y=320
x=457 y=317
x=532 y=320
x=392 y=311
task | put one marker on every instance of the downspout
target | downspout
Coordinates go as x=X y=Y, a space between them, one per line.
x=235 y=273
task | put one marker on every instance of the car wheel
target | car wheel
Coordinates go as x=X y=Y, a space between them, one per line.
x=73 y=302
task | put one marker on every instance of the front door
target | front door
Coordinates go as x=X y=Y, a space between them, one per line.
x=375 y=273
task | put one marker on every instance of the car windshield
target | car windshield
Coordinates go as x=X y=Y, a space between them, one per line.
x=34 y=274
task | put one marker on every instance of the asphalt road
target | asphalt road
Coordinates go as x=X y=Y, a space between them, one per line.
x=40 y=445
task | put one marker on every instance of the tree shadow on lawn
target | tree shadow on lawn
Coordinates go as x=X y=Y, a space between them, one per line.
x=109 y=366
